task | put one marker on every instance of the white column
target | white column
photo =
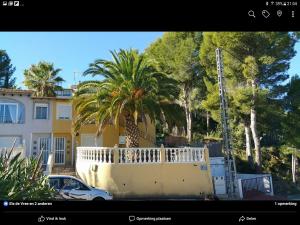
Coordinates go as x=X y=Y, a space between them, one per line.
x=52 y=143
x=240 y=187
x=72 y=149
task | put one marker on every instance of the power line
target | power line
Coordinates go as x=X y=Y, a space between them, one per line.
x=236 y=57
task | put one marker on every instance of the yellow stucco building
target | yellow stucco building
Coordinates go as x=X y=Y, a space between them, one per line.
x=65 y=141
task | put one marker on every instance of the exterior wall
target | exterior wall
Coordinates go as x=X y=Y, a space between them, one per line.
x=62 y=128
x=150 y=179
x=30 y=124
x=111 y=134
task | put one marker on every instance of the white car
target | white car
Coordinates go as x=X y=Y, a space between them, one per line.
x=72 y=188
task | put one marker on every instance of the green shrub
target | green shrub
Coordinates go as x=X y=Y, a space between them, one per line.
x=23 y=179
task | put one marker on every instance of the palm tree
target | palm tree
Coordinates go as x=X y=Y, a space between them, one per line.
x=131 y=90
x=43 y=79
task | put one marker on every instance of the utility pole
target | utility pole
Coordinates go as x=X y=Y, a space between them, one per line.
x=230 y=168
x=75 y=72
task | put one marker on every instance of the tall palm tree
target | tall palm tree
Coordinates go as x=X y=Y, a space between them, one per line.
x=43 y=79
x=131 y=90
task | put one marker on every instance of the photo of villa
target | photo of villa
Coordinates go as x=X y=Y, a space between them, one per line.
x=44 y=124
x=184 y=115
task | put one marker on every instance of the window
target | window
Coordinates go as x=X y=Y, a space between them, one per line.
x=64 y=112
x=91 y=140
x=71 y=184
x=54 y=182
x=63 y=93
x=41 y=111
x=8 y=112
x=7 y=141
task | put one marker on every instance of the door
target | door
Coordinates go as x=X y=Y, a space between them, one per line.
x=60 y=147
x=44 y=147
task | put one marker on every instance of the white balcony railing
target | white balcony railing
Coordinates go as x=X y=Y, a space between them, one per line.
x=140 y=155
x=15 y=151
x=182 y=155
x=66 y=93
x=95 y=154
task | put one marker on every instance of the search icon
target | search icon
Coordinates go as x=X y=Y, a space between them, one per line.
x=251 y=13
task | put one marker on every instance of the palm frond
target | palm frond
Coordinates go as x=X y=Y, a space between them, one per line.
x=131 y=87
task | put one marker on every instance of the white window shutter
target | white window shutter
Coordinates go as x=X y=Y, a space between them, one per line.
x=64 y=111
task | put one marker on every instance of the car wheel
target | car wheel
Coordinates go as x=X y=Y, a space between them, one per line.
x=98 y=199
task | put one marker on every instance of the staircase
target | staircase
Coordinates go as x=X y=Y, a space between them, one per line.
x=64 y=170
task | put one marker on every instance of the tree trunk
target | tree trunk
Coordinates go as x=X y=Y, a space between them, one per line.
x=132 y=132
x=253 y=126
x=207 y=123
x=248 y=145
x=188 y=116
x=189 y=131
x=294 y=167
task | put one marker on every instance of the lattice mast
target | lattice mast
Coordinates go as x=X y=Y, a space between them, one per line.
x=230 y=168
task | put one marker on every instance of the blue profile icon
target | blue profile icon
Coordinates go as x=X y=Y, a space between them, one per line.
x=5 y=203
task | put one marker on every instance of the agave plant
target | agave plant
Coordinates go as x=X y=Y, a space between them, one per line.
x=23 y=178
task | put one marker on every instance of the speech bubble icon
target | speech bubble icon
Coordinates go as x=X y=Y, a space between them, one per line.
x=131 y=218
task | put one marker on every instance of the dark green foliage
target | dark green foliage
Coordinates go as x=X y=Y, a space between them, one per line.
x=242 y=165
x=263 y=56
x=43 y=79
x=177 y=55
x=23 y=179
x=277 y=161
x=291 y=122
x=6 y=71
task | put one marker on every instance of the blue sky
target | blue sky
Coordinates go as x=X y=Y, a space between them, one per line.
x=73 y=51
x=70 y=51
